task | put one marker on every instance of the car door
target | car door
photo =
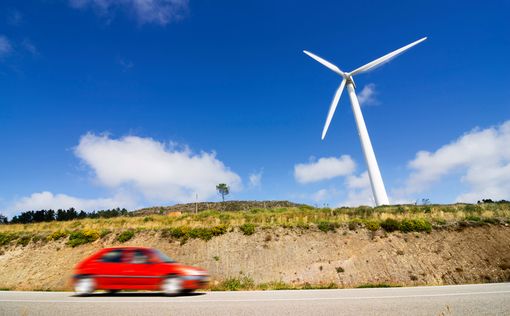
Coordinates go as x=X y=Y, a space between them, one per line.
x=141 y=270
x=109 y=269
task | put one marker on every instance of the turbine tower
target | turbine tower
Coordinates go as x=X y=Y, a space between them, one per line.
x=376 y=180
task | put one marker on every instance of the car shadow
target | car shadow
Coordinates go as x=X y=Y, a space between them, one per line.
x=138 y=294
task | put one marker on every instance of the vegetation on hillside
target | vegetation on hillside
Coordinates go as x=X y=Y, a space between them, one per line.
x=226 y=206
x=208 y=224
x=245 y=283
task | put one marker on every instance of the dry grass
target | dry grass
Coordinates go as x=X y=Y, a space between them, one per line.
x=300 y=217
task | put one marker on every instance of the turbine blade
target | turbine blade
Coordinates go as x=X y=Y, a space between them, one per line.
x=332 y=108
x=385 y=58
x=325 y=63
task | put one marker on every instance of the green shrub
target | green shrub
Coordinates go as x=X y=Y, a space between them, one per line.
x=275 y=285
x=302 y=225
x=175 y=232
x=247 y=229
x=206 y=214
x=104 y=233
x=326 y=210
x=306 y=208
x=326 y=226
x=219 y=230
x=372 y=225
x=58 y=235
x=6 y=238
x=353 y=225
x=39 y=237
x=200 y=233
x=390 y=225
x=440 y=221
x=125 y=236
x=472 y=218
x=257 y=210
x=490 y=220
x=24 y=240
x=470 y=208
x=365 y=211
x=183 y=233
x=235 y=284
x=401 y=209
x=179 y=232
x=225 y=217
x=415 y=225
x=82 y=237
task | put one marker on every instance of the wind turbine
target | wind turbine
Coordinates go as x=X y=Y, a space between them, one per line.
x=376 y=181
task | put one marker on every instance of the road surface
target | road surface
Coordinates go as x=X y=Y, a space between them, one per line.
x=482 y=299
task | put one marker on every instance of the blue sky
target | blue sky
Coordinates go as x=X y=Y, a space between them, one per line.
x=138 y=103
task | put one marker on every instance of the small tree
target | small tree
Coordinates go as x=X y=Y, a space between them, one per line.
x=223 y=190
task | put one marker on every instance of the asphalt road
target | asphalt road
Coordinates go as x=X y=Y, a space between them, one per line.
x=483 y=299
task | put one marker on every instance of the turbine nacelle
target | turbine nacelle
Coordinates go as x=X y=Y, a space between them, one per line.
x=350 y=80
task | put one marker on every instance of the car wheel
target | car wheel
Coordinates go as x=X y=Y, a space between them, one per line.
x=172 y=285
x=112 y=291
x=84 y=286
x=188 y=291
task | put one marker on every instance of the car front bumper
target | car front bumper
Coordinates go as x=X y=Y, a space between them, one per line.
x=195 y=281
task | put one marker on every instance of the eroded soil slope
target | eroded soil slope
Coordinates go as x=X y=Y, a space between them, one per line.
x=347 y=258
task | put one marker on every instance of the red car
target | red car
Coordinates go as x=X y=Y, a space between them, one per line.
x=136 y=268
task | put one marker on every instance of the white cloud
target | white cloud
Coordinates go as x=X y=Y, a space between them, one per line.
x=323 y=169
x=160 y=172
x=359 y=191
x=367 y=95
x=323 y=195
x=358 y=182
x=47 y=200
x=482 y=157
x=255 y=179
x=159 y=12
x=5 y=46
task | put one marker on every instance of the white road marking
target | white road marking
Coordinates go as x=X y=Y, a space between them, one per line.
x=85 y=300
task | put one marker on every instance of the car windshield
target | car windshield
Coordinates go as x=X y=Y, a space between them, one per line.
x=163 y=257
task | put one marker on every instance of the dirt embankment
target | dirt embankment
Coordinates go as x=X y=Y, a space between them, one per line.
x=347 y=258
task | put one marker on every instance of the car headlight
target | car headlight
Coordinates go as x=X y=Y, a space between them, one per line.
x=195 y=272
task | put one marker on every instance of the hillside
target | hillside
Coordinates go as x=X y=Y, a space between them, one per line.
x=281 y=247
x=229 y=206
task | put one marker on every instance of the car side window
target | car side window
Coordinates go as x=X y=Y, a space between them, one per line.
x=113 y=256
x=140 y=257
